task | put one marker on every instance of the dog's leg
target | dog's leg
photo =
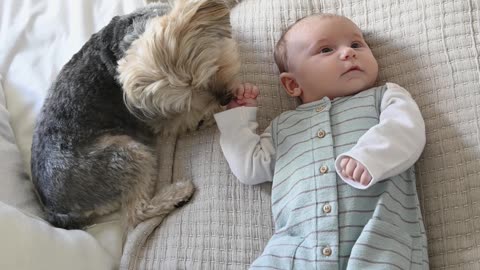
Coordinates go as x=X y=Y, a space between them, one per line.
x=94 y=179
x=164 y=202
x=128 y=167
x=168 y=195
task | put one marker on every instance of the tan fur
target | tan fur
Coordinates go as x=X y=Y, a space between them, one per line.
x=106 y=141
x=173 y=76
x=172 y=73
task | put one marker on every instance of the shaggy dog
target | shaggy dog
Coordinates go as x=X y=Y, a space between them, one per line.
x=144 y=74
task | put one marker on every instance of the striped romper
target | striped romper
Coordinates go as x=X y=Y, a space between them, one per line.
x=321 y=220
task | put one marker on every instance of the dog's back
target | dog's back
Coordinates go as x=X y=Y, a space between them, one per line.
x=90 y=154
x=82 y=122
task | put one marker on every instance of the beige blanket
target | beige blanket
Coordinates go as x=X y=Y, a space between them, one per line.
x=429 y=47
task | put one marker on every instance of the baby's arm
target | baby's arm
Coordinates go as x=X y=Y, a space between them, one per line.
x=249 y=155
x=392 y=146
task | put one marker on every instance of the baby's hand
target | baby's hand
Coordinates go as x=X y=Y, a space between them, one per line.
x=245 y=95
x=352 y=169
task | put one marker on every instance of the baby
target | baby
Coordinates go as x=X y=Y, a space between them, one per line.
x=341 y=163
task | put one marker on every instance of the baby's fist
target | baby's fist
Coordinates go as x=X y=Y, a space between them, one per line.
x=245 y=95
x=352 y=169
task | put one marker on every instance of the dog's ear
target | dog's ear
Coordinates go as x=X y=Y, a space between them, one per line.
x=215 y=14
x=211 y=16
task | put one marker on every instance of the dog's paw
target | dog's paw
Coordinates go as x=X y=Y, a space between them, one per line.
x=175 y=194
x=169 y=198
x=182 y=203
x=185 y=191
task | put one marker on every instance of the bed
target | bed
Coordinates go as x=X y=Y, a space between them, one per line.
x=429 y=47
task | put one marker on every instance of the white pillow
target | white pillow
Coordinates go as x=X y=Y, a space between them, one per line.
x=31 y=243
x=15 y=186
x=28 y=242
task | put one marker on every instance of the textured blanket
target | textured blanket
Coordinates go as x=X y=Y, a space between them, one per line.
x=429 y=47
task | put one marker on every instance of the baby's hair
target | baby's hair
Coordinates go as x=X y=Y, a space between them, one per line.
x=280 y=53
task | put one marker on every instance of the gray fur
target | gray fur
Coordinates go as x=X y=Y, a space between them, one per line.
x=73 y=170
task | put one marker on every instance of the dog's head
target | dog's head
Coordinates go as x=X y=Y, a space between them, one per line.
x=181 y=70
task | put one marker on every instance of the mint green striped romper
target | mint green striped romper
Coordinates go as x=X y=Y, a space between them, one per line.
x=320 y=221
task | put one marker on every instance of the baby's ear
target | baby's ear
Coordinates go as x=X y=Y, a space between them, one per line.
x=290 y=84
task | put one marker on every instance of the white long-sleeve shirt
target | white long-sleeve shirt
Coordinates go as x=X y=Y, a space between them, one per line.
x=388 y=148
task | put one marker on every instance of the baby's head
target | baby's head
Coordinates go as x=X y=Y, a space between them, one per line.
x=324 y=55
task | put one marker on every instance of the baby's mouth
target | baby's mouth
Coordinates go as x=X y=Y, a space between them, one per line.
x=352 y=68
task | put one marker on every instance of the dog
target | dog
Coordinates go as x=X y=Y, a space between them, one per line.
x=145 y=74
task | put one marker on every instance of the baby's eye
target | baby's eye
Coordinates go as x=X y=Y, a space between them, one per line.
x=326 y=50
x=356 y=45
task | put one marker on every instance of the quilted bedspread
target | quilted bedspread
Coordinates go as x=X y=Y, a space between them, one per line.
x=429 y=47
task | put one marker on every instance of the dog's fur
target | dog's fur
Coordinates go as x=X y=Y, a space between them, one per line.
x=93 y=148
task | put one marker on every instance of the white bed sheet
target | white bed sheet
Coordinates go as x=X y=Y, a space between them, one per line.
x=37 y=38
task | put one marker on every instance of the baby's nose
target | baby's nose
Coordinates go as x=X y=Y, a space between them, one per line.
x=348 y=53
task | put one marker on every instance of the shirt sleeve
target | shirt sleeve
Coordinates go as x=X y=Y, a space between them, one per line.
x=395 y=143
x=251 y=157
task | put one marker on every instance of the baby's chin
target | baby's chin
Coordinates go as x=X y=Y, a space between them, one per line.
x=354 y=87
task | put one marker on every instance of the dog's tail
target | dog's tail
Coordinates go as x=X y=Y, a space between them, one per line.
x=67 y=221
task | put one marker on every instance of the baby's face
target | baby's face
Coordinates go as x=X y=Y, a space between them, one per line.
x=329 y=57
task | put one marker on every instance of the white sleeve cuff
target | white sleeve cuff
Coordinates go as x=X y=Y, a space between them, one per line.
x=235 y=119
x=250 y=156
